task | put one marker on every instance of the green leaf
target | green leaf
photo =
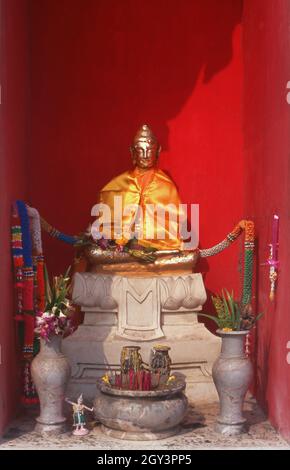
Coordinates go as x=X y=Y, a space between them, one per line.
x=258 y=317
x=48 y=293
x=67 y=272
x=235 y=310
x=226 y=307
x=231 y=302
x=212 y=317
x=56 y=295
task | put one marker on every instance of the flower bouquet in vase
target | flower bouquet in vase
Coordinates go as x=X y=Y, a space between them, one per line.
x=50 y=369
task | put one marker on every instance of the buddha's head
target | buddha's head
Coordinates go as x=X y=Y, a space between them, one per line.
x=145 y=148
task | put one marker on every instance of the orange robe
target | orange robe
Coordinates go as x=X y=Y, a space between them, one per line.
x=141 y=188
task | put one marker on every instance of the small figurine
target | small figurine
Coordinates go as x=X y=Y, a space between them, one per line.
x=79 y=416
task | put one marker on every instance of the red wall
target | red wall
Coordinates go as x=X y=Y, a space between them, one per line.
x=101 y=68
x=13 y=169
x=267 y=189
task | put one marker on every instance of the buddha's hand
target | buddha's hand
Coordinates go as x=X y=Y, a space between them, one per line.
x=148 y=257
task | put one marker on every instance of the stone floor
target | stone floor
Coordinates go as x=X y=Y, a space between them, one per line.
x=197 y=432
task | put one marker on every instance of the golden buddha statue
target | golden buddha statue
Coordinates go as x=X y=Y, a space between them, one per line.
x=142 y=232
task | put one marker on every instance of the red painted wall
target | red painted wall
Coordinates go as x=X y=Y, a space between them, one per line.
x=98 y=71
x=267 y=189
x=13 y=170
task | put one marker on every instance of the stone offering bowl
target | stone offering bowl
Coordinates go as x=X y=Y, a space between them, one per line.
x=140 y=415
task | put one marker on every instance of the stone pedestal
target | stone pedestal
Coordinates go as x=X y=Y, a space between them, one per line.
x=122 y=310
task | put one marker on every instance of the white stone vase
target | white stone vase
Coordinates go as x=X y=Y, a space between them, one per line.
x=50 y=372
x=232 y=374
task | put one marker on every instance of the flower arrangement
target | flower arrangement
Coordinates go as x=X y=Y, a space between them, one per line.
x=143 y=254
x=231 y=314
x=55 y=319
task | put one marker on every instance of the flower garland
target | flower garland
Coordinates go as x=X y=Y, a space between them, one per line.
x=27 y=281
x=29 y=291
x=53 y=232
x=249 y=245
x=246 y=226
x=17 y=254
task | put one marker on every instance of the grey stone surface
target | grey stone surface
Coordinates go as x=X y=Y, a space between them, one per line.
x=120 y=310
x=135 y=436
x=197 y=432
x=50 y=371
x=232 y=374
x=141 y=415
x=50 y=430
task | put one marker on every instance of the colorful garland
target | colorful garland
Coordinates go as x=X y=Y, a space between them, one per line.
x=248 y=227
x=29 y=291
x=53 y=232
x=17 y=254
x=248 y=261
x=244 y=225
x=28 y=281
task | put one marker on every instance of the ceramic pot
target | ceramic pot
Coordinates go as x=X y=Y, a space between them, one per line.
x=160 y=364
x=131 y=359
x=50 y=372
x=232 y=373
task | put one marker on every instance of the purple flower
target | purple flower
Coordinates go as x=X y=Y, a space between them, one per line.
x=103 y=243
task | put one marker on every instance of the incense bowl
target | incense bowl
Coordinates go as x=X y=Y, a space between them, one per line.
x=141 y=415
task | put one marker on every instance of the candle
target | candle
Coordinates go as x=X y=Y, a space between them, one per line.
x=275 y=230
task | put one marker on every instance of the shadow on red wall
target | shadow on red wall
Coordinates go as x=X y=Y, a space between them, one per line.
x=99 y=70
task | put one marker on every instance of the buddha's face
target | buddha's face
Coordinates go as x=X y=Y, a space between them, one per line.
x=145 y=155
